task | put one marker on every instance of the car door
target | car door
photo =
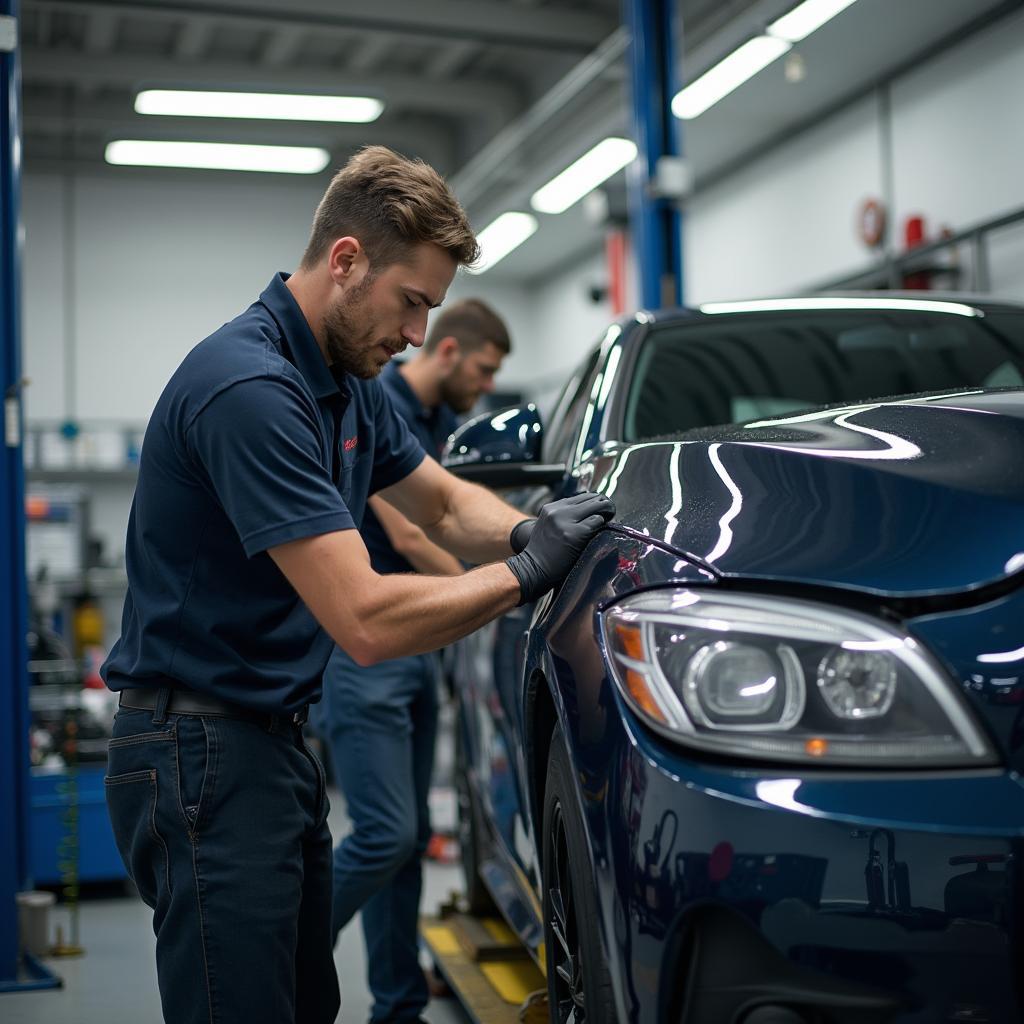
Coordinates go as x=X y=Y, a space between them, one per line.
x=491 y=665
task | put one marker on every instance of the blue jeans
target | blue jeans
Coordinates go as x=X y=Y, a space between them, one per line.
x=381 y=723
x=222 y=825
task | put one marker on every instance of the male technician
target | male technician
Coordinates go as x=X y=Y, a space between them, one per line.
x=381 y=721
x=245 y=566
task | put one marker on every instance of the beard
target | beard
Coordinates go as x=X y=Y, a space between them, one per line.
x=351 y=335
x=457 y=395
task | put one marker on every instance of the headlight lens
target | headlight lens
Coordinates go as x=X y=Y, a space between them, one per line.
x=786 y=680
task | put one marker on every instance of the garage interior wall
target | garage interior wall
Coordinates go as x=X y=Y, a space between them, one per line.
x=124 y=272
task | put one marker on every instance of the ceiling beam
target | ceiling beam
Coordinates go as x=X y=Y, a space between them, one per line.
x=193 y=40
x=449 y=60
x=282 y=46
x=368 y=54
x=101 y=32
x=409 y=92
x=481 y=20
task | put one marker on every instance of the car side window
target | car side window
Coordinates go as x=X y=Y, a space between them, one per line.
x=565 y=422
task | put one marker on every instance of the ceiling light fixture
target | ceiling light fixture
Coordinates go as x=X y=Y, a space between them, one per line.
x=728 y=74
x=500 y=237
x=805 y=19
x=268 y=106
x=583 y=176
x=218 y=156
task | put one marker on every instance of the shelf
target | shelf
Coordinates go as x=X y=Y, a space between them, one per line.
x=96 y=580
x=128 y=474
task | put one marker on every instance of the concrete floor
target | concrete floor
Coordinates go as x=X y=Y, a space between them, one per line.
x=115 y=981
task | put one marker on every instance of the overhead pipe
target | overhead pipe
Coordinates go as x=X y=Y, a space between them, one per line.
x=475 y=179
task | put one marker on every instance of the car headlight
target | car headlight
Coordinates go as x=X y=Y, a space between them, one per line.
x=786 y=680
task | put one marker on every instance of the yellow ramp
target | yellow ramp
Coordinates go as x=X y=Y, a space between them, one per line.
x=488 y=969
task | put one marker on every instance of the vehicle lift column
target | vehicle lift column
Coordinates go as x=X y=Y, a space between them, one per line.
x=15 y=974
x=655 y=178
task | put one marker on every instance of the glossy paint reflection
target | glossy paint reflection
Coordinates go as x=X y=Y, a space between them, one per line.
x=794 y=500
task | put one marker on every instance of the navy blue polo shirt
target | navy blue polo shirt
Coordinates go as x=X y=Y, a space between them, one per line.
x=254 y=442
x=431 y=428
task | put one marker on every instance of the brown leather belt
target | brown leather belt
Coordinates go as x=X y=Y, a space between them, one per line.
x=192 y=702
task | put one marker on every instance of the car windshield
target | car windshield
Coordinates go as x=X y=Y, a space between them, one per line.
x=739 y=367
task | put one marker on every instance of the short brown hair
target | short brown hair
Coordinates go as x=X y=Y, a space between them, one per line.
x=472 y=324
x=391 y=204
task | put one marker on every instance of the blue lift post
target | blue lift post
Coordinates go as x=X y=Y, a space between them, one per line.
x=14 y=719
x=655 y=221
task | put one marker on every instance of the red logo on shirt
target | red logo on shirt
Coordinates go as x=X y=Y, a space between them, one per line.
x=351 y=442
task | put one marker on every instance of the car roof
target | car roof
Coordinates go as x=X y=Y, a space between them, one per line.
x=925 y=300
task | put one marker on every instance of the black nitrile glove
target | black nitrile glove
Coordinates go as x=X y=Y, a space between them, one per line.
x=520 y=535
x=562 y=530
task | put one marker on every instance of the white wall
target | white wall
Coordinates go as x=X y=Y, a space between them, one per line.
x=958 y=130
x=568 y=322
x=958 y=141
x=156 y=265
x=787 y=220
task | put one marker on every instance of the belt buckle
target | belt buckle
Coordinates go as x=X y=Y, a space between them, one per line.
x=300 y=717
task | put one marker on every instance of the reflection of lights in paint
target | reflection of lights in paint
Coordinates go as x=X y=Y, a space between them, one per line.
x=786 y=305
x=1002 y=657
x=897 y=448
x=500 y=421
x=612 y=334
x=685 y=598
x=609 y=377
x=613 y=480
x=1015 y=563
x=781 y=793
x=671 y=517
x=725 y=523
x=825 y=414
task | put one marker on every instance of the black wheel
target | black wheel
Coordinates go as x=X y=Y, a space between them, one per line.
x=579 y=987
x=477 y=896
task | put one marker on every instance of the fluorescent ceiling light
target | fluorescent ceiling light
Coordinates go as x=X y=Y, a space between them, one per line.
x=584 y=175
x=501 y=236
x=728 y=74
x=218 y=156
x=805 y=19
x=784 y=305
x=264 y=105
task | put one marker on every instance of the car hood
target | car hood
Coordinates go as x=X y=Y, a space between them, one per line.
x=919 y=496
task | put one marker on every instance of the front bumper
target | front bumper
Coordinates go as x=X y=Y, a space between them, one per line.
x=905 y=889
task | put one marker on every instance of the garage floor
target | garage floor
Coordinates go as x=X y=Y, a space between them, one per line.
x=115 y=981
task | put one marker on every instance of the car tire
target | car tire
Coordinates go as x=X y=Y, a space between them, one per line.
x=478 y=899
x=579 y=985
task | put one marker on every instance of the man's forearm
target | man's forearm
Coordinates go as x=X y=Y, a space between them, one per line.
x=375 y=617
x=476 y=524
x=412 y=543
x=407 y=614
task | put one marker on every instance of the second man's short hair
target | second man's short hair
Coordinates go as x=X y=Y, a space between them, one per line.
x=472 y=323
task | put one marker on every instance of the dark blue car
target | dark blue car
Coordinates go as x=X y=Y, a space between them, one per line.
x=758 y=759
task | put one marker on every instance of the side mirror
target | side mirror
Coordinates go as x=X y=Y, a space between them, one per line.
x=501 y=449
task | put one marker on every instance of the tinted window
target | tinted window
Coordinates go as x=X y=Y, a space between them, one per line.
x=743 y=367
x=569 y=412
